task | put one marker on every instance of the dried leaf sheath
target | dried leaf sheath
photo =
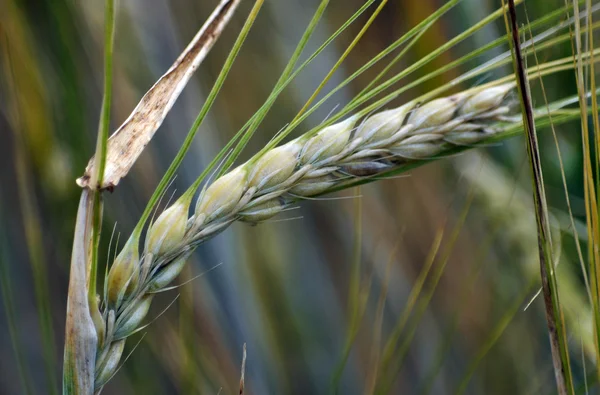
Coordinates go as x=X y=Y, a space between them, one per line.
x=80 y=333
x=130 y=139
x=263 y=187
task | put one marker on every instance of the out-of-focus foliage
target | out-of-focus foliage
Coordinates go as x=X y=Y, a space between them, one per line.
x=286 y=287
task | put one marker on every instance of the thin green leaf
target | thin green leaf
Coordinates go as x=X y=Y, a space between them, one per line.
x=556 y=326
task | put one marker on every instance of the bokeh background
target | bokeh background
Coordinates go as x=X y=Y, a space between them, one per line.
x=297 y=291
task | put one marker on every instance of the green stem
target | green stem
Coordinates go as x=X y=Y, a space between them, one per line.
x=101 y=144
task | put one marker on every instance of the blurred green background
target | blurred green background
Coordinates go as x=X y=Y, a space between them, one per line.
x=292 y=289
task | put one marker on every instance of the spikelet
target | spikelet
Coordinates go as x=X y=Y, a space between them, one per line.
x=98 y=320
x=328 y=142
x=123 y=274
x=222 y=195
x=274 y=167
x=165 y=275
x=106 y=368
x=434 y=113
x=486 y=99
x=262 y=211
x=313 y=186
x=364 y=168
x=167 y=232
x=417 y=150
x=134 y=317
x=384 y=124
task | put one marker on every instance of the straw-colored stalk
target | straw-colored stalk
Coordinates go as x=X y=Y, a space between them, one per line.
x=310 y=165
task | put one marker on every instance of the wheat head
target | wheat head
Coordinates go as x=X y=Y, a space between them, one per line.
x=257 y=190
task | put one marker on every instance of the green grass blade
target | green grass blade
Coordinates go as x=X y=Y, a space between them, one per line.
x=101 y=144
x=590 y=187
x=34 y=242
x=450 y=330
x=9 y=309
x=358 y=297
x=494 y=336
x=394 y=357
x=556 y=326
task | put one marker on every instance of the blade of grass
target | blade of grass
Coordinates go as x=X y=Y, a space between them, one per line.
x=592 y=74
x=9 y=310
x=371 y=380
x=495 y=334
x=573 y=228
x=450 y=330
x=390 y=347
x=594 y=203
x=243 y=371
x=33 y=237
x=97 y=176
x=481 y=253
x=591 y=203
x=394 y=357
x=35 y=249
x=563 y=176
x=556 y=328
x=104 y=124
x=358 y=296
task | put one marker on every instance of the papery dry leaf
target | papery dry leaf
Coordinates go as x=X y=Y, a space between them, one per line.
x=130 y=139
